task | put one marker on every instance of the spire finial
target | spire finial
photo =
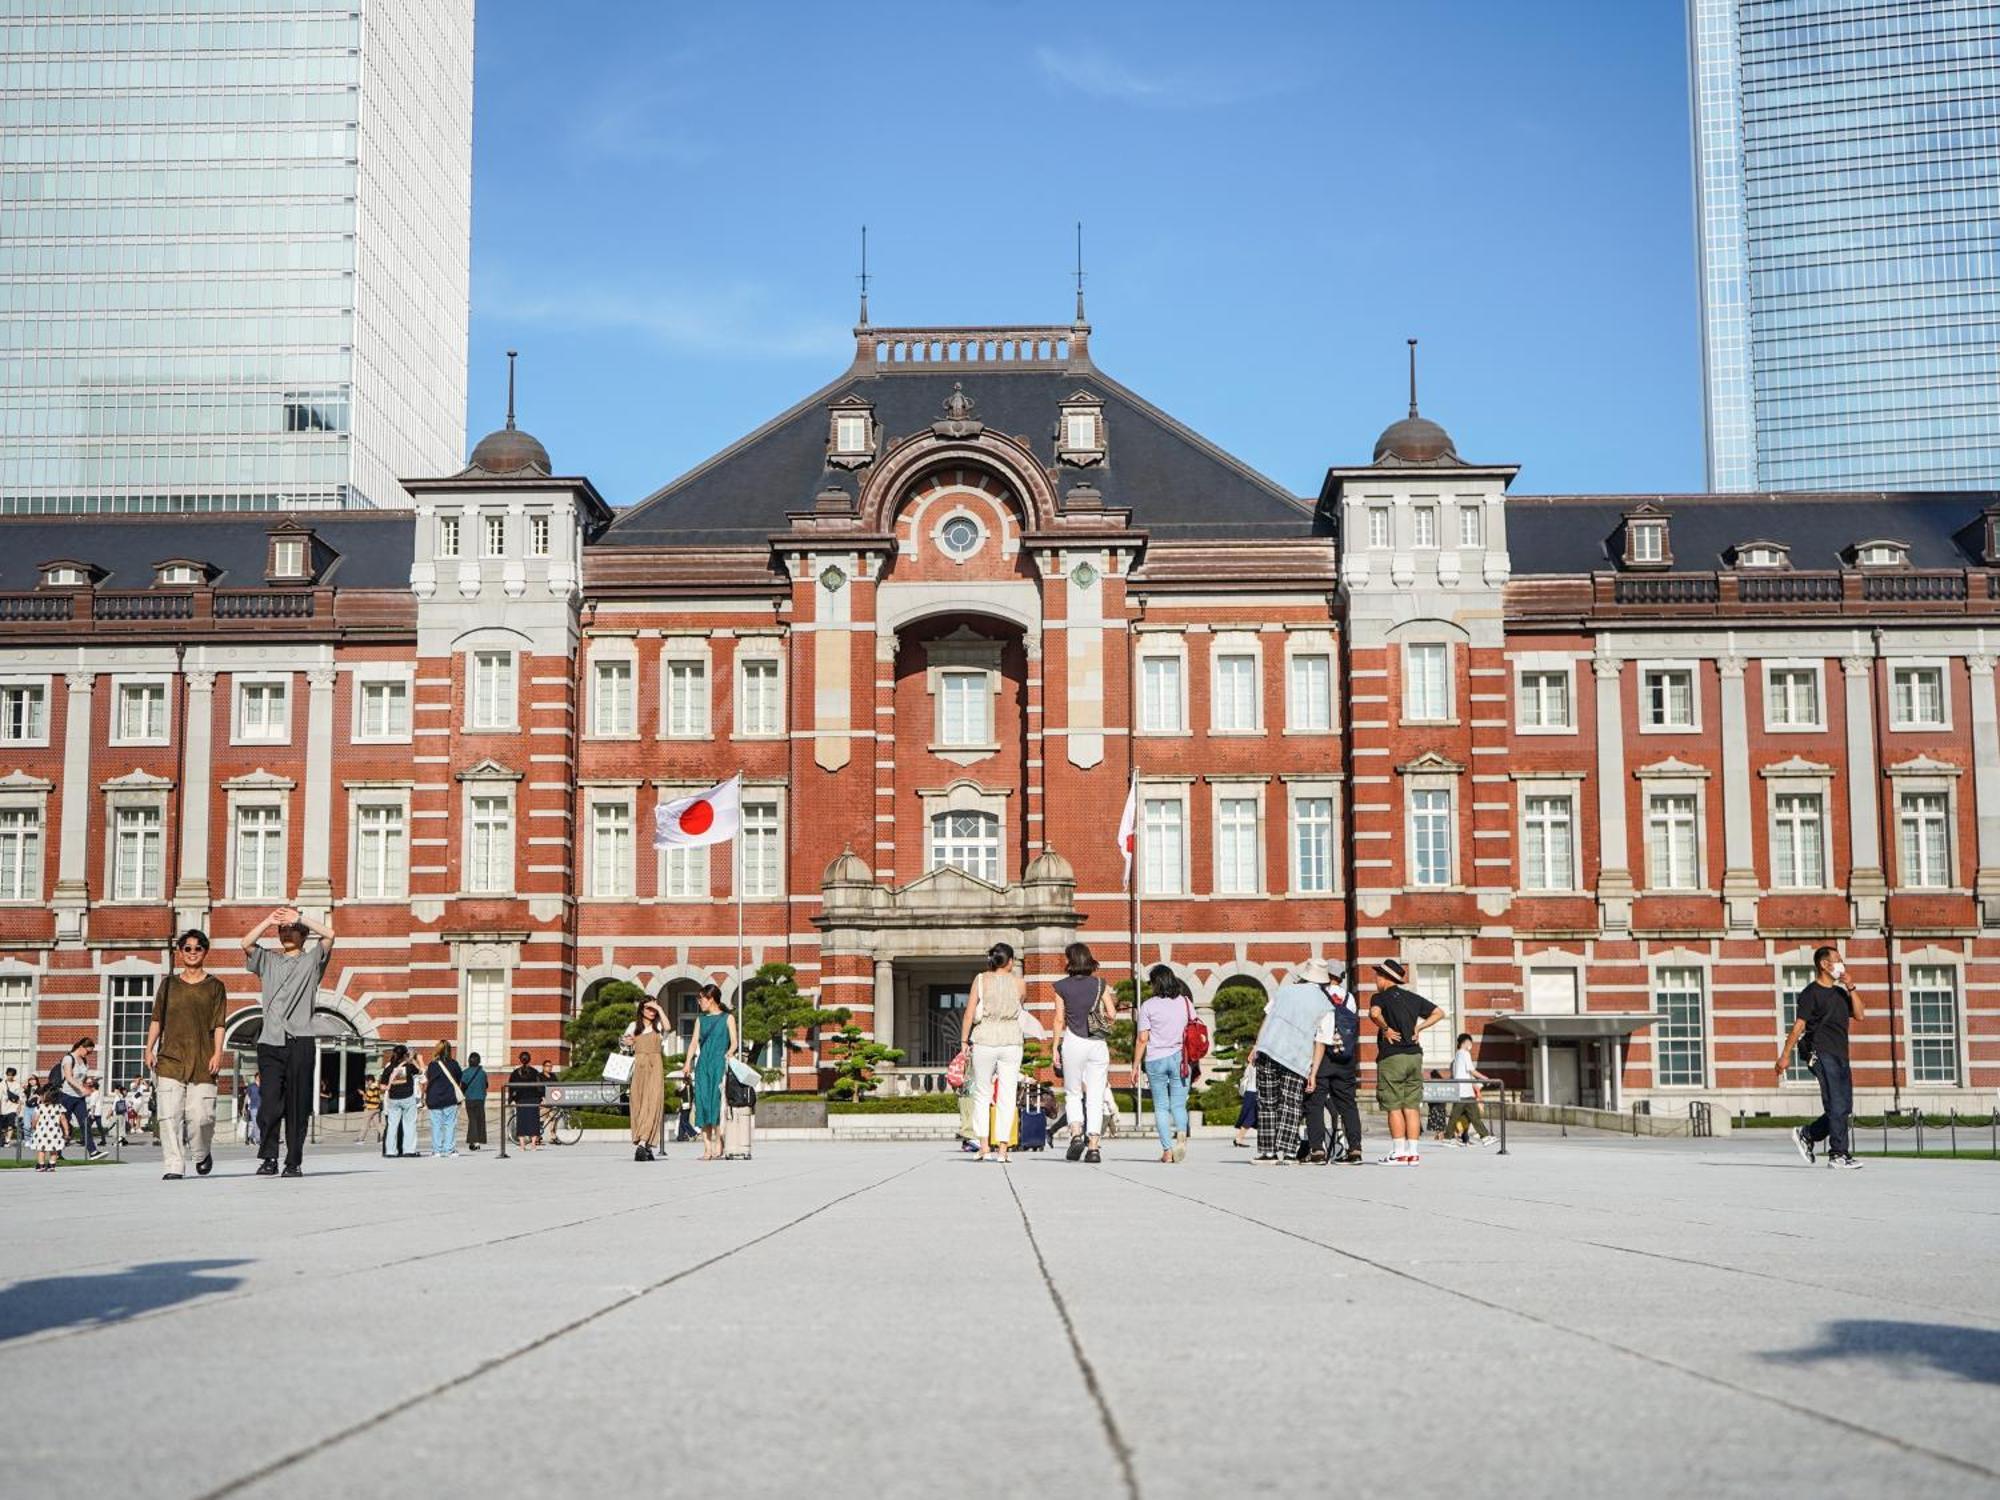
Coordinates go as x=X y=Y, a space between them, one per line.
x=512 y=355
x=1079 y=271
x=863 y=278
x=1413 y=377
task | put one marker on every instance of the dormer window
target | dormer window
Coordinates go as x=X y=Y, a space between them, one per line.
x=1990 y=551
x=1646 y=542
x=851 y=435
x=290 y=559
x=1080 y=437
x=1881 y=554
x=65 y=575
x=1760 y=555
x=179 y=573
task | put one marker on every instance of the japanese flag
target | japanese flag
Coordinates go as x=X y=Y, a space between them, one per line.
x=709 y=817
x=1127 y=829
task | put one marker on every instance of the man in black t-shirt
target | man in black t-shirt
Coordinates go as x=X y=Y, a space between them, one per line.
x=1825 y=1008
x=1399 y=1015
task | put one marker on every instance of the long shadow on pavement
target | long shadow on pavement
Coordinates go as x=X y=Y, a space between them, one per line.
x=1969 y=1353
x=112 y=1297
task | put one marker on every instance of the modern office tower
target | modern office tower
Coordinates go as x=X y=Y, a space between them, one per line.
x=234 y=250
x=1847 y=205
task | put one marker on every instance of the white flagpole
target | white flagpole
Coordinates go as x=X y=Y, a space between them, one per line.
x=1138 y=922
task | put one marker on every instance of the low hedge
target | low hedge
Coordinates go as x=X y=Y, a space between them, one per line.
x=1863 y=1122
x=893 y=1104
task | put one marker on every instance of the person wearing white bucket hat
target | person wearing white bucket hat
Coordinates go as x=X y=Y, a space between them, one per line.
x=1283 y=1057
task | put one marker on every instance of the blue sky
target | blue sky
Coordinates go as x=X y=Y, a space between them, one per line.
x=667 y=198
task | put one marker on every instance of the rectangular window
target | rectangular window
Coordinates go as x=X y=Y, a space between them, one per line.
x=1548 y=844
x=447 y=534
x=686 y=874
x=1791 y=979
x=1082 y=427
x=136 y=848
x=131 y=1013
x=611 y=849
x=1933 y=1024
x=1163 y=846
x=1545 y=700
x=385 y=710
x=1798 y=841
x=23 y=711
x=687 y=698
x=486 y=1014
x=1471 y=527
x=142 y=711
x=538 y=536
x=262 y=712
x=1437 y=983
x=288 y=558
x=20 y=854
x=850 y=433
x=1669 y=697
x=490 y=847
x=1312 y=692
x=760 y=851
x=1234 y=697
x=1917 y=698
x=968 y=841
x=1925 y=819
x=611 y=698
x=1427 y=690
x=1312 y=845
x=965 y=708
x=1425 y=526
x=1671 y=843
x=1792 y=698
x=493 y=694
x=17 y=1026
x=1680 y=1057
x=260 y=852
x=1236 y=862
x=1649 y=544
x=1379 y=528
x=1430 y=838
x=1160 y=695
x=381 y=852
x=757 y=696
x=496 y=534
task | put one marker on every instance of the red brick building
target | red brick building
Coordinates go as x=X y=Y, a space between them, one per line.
x=1603 y=770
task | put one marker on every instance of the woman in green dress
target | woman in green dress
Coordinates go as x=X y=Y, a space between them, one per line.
x=708 y=1057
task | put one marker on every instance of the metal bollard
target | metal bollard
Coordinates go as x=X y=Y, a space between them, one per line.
x=1503 y=1119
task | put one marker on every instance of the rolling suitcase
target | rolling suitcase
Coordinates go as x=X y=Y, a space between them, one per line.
x=738 y=1125
x=1034 y=1131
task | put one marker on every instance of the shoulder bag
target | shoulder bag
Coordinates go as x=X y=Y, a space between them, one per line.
x=1097 y=1025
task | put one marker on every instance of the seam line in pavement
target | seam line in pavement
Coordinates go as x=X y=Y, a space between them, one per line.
x=500 y=1361
x=1120 y=1449
x=1720 y=1382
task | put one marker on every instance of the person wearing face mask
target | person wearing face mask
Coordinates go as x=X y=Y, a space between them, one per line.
x=1826 y=1008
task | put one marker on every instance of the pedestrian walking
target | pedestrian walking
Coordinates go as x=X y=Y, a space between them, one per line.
x=646 y=1040
x=1466 y=1116
x=707 y=1061
x=1282 y=1057
x=1083 y=1056
x=991 y=1029
x=71 y=1081
x=12 y=1102
x=289 y=977
x=1400 y=1016
x=1334 y=1076
x=184 y=1050
x=1163 y=1020
x=525 y=1088
x=399 y=1088
x=48 y=1135
x=1246 y=1112
x=1826 y=1008
x=475 y=1084
x=444 y=1092
x=371 y=1110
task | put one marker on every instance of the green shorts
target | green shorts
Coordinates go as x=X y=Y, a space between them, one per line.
x=1399 y=1081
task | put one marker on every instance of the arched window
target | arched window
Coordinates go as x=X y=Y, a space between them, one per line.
x=968 y=841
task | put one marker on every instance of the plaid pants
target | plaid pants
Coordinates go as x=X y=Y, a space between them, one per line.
x=1281 y=1109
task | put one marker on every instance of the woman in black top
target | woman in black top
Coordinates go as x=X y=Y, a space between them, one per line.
x=399 y=1104
x=444 y=1090
x=1083 y=1058
x=526 y=1088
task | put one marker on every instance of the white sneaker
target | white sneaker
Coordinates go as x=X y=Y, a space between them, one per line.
x=1391 y=1160
x=1802 y=1144
x=1845 y=1163
x=1484 y=1140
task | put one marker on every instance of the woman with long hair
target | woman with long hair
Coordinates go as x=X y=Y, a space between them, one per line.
x=399 y=1103
x=1083 y=1056
x=524 y=1086
x=992 y=1029
x=645 y=1039
x=707 y=1060
x=444 y=1091
x=1164 y=1017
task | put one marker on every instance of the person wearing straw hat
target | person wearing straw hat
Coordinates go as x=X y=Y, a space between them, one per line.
x=1283 y=1057
x=1400 y=1016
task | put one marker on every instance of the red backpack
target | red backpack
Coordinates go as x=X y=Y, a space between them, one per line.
x=1194 y=1042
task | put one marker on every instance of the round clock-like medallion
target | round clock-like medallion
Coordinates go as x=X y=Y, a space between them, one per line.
x=960 y=536
x=831 y=578
x=1083 y=575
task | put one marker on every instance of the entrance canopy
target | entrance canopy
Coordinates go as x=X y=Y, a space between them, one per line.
x=1582 y=1028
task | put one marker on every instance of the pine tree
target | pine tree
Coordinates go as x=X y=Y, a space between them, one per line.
x=855 y=1058
x=774 y=1008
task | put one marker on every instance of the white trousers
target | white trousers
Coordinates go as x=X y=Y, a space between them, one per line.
x=1086 y=1065
x=189 y=1106
x=994 y=1120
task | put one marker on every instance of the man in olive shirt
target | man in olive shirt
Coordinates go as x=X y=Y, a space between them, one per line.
x=1824 y=1010
x=184 y=1050
x=289 y=976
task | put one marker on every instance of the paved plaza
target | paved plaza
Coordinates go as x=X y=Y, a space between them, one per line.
x=1583 y=1316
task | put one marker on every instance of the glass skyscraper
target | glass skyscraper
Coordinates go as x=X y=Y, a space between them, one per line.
x=234 y=251
x=1847 y=208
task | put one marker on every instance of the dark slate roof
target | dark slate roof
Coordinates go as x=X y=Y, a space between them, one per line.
x=372 y=548
x=1578 y=533
x=1174 y=482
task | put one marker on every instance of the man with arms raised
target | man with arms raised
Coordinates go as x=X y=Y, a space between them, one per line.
x=289 y=976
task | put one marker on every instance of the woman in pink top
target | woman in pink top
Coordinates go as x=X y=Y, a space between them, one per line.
x=1163 y=1022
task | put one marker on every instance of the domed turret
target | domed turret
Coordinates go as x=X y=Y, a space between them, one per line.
x=1414 y=440
x=509 y=451
x=1049 y=868
x=848 y=868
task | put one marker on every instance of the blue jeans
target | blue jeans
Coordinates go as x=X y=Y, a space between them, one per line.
x=444 y=1130
x=1836 y=1100
x=1163 y=1077
x=399 y=1127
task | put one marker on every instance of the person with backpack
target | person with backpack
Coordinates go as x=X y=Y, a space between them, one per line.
x=69 y=1082
x=1083 y=1056
x=1171 y=1042
x=1335 y=1074
x=399 y=1107
x=1283 y=1057
x=1825 y=1009
x=184 y=1050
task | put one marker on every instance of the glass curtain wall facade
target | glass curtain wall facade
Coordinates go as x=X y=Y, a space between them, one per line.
x=234 y=251
x=1847 y=209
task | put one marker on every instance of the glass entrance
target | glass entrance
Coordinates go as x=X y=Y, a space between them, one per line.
x=944 y=1016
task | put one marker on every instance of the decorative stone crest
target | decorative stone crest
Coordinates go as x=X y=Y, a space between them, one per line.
x=959 y=421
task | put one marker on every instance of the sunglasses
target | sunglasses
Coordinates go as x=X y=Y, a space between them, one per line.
x=194 y=947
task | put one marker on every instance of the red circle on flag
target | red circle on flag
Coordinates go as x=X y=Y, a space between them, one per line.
x=698 y=817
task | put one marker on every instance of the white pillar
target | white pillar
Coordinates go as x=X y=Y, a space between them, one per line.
x=1986 y=785
x=885 y=1002
x=1614 y=874
x=1866 y=887
x=1739 y=864
x=72 y=891
x=191 y=890
x=316 y=834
